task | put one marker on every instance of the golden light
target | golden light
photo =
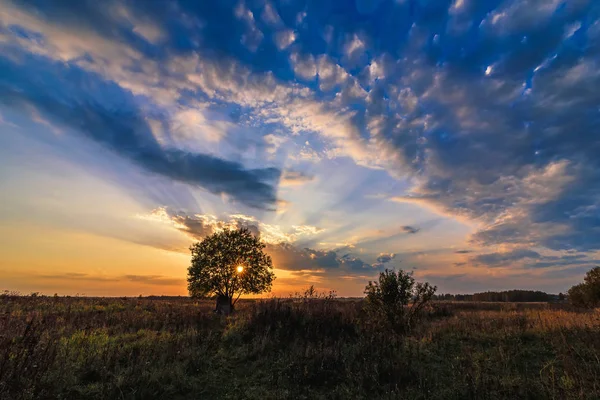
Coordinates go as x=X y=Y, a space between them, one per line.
x=240 y=268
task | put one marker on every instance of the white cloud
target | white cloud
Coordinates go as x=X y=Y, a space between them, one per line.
x=304 y=65
x=148 y=29
x=376 y=70
x=457 y=6
x=274 y=142
x=330 y=74
x=284 y=38
x=188 y=125
x=354 y=46
x=519 y=15
x=253 y=36
x=270 y=15
x=198 y=226
x=300 y=17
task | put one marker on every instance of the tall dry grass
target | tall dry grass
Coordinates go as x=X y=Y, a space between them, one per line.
x=297 y=348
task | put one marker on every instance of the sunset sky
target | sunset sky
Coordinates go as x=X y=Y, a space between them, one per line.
x=456 y=139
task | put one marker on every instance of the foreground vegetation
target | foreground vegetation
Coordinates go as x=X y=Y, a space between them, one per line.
x=100 y=348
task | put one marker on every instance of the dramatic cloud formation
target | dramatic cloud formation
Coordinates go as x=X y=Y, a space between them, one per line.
x=475 y=121
x=199 y=226
x=108 y=115
x=282 y=246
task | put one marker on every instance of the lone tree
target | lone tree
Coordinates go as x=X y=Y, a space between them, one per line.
x=228 y=264
x=587 y=294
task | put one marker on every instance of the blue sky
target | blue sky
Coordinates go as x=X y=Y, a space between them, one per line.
x=458 y=139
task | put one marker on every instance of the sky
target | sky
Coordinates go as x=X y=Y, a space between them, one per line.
x=456 y=139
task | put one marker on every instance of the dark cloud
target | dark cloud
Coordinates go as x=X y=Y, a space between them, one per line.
x=353 y=263
x=463 y=251
x=563 y=261
x=144 y=279
x=530 y=259
x=155 y=280
x=410 y=229
x=496 y=259
x=77 y=276
x=109 y=116
x=385 y=257
x=295 y=178
x=290 y=257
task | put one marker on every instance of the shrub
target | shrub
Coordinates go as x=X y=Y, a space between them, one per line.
x=397 y=298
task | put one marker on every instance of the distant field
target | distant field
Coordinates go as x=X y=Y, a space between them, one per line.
x=73 y=348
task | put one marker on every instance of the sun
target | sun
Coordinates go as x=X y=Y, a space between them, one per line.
x=240 y=268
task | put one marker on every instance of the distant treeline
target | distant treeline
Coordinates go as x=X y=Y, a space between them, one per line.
x=505 y=296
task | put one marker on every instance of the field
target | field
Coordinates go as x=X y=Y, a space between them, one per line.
x=101 y=348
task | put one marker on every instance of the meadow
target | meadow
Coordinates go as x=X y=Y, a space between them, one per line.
x=297 y=348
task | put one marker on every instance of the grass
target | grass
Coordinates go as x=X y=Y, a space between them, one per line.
x=100 y=348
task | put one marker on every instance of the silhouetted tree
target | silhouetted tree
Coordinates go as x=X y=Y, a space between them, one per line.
x=397 y=298
x=587 y=294
x=228 y=264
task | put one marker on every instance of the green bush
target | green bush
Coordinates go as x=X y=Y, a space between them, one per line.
x=397 y=299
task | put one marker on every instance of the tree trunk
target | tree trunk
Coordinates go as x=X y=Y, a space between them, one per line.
x=224 y=305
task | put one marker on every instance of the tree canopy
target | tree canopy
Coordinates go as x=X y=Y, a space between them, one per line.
x=229 y=263
x=587 y=294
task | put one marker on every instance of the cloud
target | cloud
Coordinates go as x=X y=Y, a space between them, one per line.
x=109 y=116
x=331 y=75
x=385 y=257
x=155 y=280
x=411 y=230
x=143 y=279
x=284 y=38
x=270 y=15
x=198 y=226
x=463 y=251
x=354 y=48
x=288 y=256
x=283 y=246
x=304 y=65
x=79 y=276
x=529 y=259
x=497 y=259
x=294 y=178
x=252 y=37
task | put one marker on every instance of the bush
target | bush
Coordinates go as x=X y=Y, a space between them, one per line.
x=397 y=299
